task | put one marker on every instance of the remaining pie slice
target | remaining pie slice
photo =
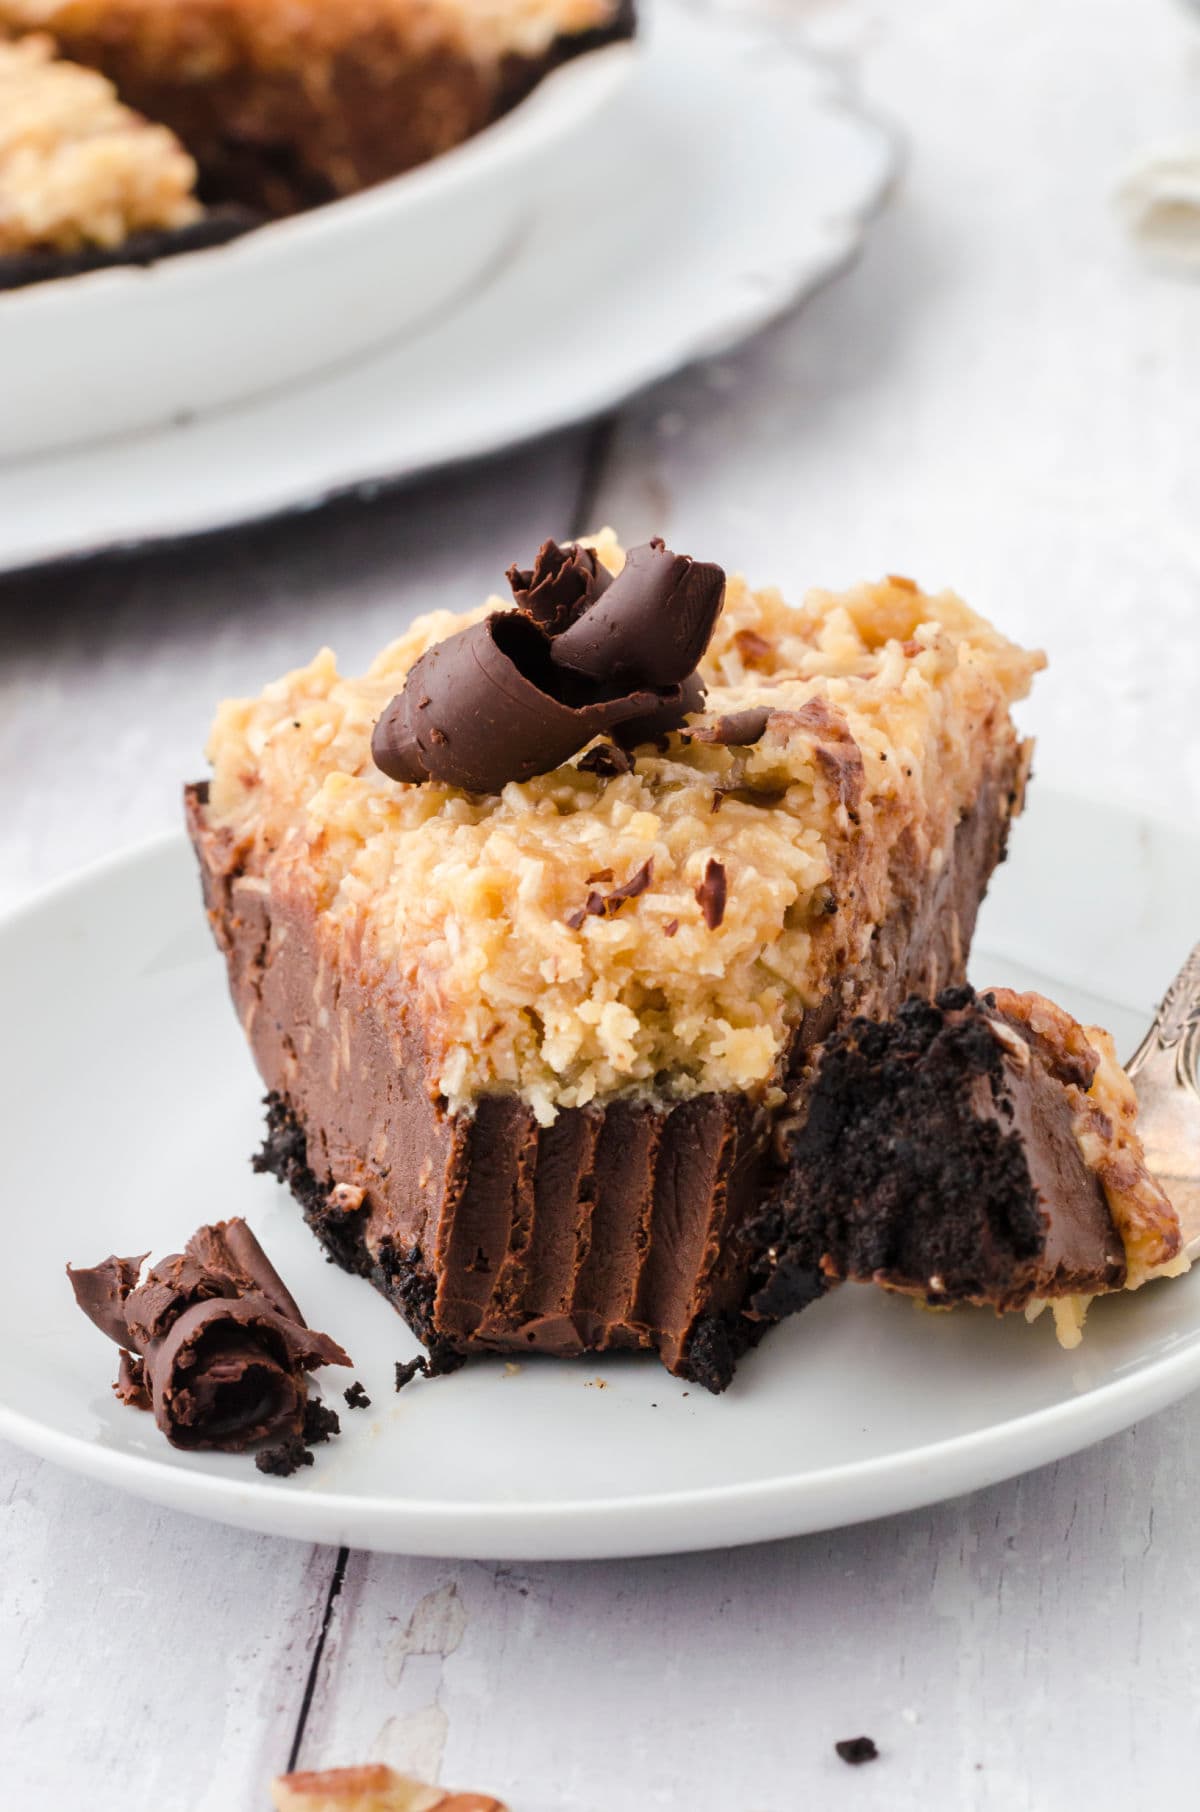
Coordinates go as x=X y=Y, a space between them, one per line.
x=976 y=1148
x=527 y=1044
x=287 y=103
x=85 y=181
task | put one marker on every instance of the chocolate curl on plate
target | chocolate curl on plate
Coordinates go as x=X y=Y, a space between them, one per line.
x=222 y=1351
x=583 y=656
x=102 y=1293
x=232 y=1372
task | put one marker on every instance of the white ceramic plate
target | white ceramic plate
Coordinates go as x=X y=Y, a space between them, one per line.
x=119 y=350
x=130 y=1107
x=729 y=178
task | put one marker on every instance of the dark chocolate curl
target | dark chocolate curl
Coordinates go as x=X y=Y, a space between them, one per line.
x=583 y=656
x=486 y=706
x=651 y=625
x=233 y=1372
x=562 y=582
x=173 y=1285
x=231 y=1247
x=102 y=1291
x=212 y=1341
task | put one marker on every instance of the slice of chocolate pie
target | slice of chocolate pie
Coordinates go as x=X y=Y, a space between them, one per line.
x=288 y=103
x=531 y=987
x=973 y=1149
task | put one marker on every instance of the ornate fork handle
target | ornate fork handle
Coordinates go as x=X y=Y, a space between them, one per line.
x=1176 y=1029
x=1165 y=1071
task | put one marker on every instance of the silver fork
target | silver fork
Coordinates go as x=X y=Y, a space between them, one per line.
x=1165 y=1072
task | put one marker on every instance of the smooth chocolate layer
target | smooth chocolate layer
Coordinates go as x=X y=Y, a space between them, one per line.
x=936 y=1154
x=617 y=1226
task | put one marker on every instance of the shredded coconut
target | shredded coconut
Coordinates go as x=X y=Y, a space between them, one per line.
x=890 y=708
x=76 y=167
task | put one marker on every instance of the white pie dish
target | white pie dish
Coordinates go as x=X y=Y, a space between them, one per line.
x=599 y=298
x=125 y=349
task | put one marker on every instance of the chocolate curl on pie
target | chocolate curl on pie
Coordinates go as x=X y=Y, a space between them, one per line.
x=562 y=582
x=584 y=655
x=653 y=623
x=222 y=1351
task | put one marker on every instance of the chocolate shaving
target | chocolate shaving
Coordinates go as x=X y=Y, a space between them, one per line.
x=356 y=1397
x=601 y=874
x=519 y=693
x=637 y=883
x=737 y=729
x=607 y=905
x=606 y=761
x=834 y=749
x=711 y=893
x=213 y=1340
x=671 y=927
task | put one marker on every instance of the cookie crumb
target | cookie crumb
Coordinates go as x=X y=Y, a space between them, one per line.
x=320 y=1423
x=857 y=1750
x=282 y=1460
x=406 y=1372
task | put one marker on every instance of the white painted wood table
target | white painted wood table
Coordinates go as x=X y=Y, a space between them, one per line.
x=999 y=396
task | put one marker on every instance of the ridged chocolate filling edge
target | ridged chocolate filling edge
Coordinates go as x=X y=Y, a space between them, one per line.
x=616 y=1227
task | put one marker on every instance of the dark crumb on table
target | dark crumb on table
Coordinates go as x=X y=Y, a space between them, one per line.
x=320 y=1423
x=406 y=1372
x=356 y=1397
x=286 y=1458
x=856 y=1750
